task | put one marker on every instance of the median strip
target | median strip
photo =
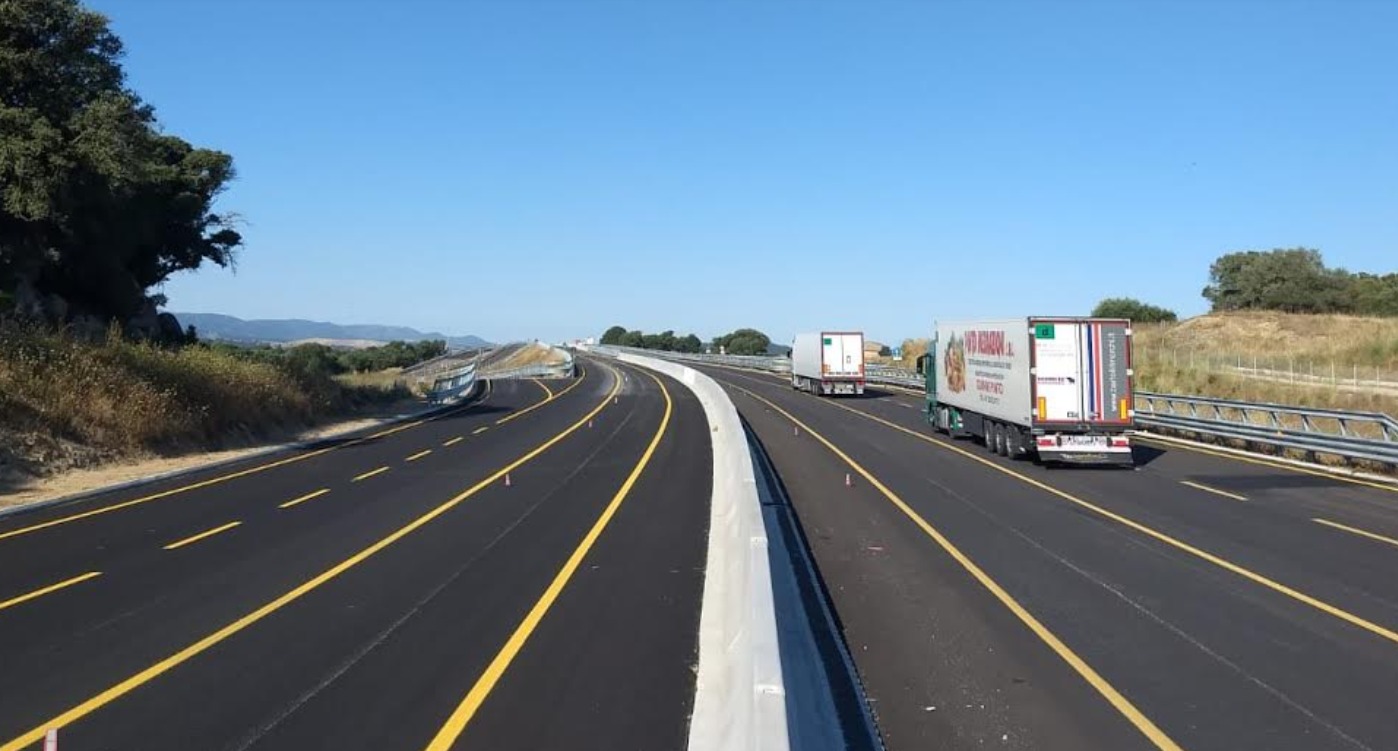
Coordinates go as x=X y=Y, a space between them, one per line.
x=202 y=535
x=51 y=588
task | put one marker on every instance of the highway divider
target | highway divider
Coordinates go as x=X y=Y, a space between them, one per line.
x=761 y=685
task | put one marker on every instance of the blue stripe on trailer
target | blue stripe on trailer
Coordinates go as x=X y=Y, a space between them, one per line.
x=1091 y=375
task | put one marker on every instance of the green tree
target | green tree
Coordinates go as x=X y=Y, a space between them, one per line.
x=1137 y=311
x=689 y=343
x=885 y=351
x=97 y=204
x=744 y=342
x=632 y=339
x=1294 y=280
x=613 y=335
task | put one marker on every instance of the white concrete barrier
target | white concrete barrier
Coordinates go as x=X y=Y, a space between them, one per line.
x=740 y=698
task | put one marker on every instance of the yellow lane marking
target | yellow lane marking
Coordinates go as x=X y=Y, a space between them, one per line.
x=1158 y=441
x=221 y=478
x=458 y=720
x=13 y=601
x=1108 y=692
x=454 y=441
x=1357 y=531
x=479 y=430
x=202 y=535
x=543 y=386
x=304 y=498
x=546 y=400
x=130 y=684
x=1246 y=573
x=418 y=455
x=1215 y=491
x=369 y=474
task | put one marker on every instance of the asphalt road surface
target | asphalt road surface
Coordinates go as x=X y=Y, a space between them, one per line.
x=521 y=573
x=1198 y=602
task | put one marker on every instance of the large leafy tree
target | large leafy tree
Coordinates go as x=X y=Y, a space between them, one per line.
x=97 y=205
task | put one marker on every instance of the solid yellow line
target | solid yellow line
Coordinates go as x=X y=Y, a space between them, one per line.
x=1215 y=491
x=543 y=386
x=1354 y=530
x=304 y=498
x=454 y=441
x=1246 y=573
x=480 y=430
x=1108 y=692
x=418 y=455
x=219 y=479
x=546 y=400
x=50 y=588
x=458 y=720
x=196 y=538
x=130 y=684
x=369 y=474
x=1161 y=441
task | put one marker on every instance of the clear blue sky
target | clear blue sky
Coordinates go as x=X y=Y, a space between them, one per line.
x=546 y=169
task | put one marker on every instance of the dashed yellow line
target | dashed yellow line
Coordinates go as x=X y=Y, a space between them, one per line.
x=479 y=430
x=1215 y=491
x=369 y=474
x=1188 y=446
x=454 y=441
x=304 y=498
x=13 y=601
x=1357 y=531
x=456 y=723
x=202 y=535
x=418 y=455
x=222 y=478
x=126 y=686
x=543 y=386
x=1079 y=665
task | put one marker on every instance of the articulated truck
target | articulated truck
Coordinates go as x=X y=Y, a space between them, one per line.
x=1055 y=389
x=828 y=363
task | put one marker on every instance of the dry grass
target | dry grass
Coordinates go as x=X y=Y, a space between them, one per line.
x=1345 y=340
x=65 y=402
x=531 y=354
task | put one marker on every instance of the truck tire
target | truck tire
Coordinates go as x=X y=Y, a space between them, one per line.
x=1005 y=442
x=992 y=432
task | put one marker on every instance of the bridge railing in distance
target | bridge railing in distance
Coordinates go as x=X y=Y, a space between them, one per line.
x=1355 y=436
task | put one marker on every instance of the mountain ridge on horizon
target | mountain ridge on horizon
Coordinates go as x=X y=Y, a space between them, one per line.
x=277 y=330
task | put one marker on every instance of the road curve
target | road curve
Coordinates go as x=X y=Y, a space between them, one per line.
x=1195 y=603
x=433 y=585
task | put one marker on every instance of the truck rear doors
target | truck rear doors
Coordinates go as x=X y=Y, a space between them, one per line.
x=842 y=355
x=1082 y=373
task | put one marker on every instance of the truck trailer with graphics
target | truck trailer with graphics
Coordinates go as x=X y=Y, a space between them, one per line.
x=828 y=363
x=1055 y=389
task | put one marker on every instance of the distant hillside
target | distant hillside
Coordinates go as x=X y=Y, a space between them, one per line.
x=228 y=328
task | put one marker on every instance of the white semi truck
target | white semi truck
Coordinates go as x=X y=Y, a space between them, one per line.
x=827 y=363
x=1058 y=389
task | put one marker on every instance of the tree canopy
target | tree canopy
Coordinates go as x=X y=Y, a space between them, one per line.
x=744 y=342
x=1296 y=280
x=97 y=204
x=1137 y=311
x=666 y=341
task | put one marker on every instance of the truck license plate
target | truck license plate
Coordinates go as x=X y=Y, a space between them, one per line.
x=1085 y=441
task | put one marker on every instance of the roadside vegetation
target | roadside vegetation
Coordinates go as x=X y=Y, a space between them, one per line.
x=739 y=342
x=69 y=402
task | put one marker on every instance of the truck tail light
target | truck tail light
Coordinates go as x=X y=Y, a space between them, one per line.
x=1121 y=409
x=1046 y=442
x=1043 y=408
x=1120 y=442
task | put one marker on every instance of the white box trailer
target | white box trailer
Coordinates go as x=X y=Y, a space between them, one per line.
x=1056 y=388
x=827 y=363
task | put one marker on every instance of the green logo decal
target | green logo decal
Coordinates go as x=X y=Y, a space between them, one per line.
x=1043 y=331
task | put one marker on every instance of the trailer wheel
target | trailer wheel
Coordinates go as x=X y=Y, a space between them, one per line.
x=1004 y=441
x=992 y=436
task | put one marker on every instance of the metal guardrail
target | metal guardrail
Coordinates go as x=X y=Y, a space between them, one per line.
x=1369 y=436
x=453 y=385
